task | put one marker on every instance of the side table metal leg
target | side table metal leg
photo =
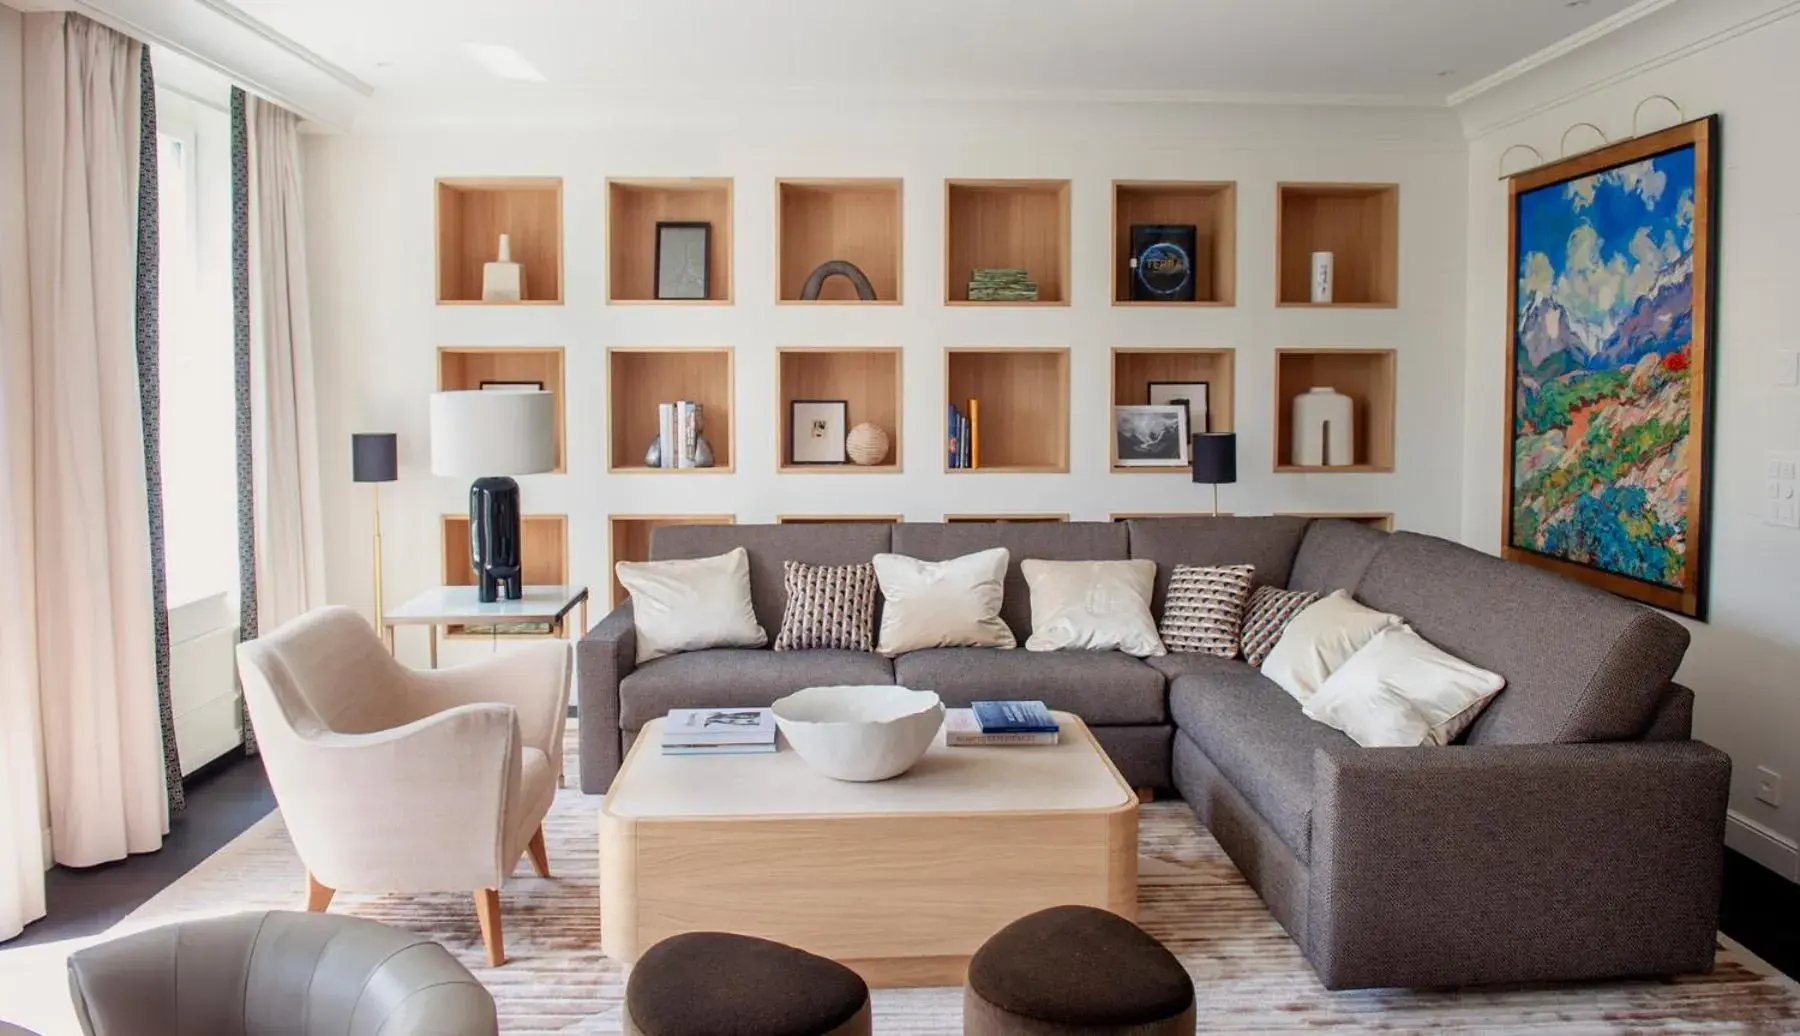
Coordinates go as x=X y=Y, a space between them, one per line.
x=433 y=635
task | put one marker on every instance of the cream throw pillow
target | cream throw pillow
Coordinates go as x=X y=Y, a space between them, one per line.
x=953 y=603
x=1092 y=606
x=1319 y=639
x=691 y=604
x=1401 y=691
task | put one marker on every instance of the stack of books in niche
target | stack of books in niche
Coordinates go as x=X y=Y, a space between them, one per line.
x=964 y=436
x=718 y=732
x=996 y=723
x=1001 y=284
x=679 y=423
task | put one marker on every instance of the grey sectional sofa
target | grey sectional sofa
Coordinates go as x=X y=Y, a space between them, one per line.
x=1576 y=833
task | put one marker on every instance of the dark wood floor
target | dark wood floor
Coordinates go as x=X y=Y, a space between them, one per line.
x=1761 y=909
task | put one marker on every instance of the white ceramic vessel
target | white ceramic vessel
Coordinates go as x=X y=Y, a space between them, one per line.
x=860 y=733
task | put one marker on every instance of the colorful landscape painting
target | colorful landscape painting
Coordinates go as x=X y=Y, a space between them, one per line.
x=1607 y=340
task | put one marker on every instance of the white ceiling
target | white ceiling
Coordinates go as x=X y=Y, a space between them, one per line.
x=1375 y=51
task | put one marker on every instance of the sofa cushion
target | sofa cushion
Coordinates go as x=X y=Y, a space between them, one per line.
x=738 y=678
x=1050 y=541
x=1102 y=687
x=1259 y=739
x=1268 y=543
x=1580 y=664
x=847 y=543
x=1334 y=555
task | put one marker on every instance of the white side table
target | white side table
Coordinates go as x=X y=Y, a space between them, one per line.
x=460 y=606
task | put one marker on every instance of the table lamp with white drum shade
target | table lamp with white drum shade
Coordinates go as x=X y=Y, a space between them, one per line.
x=491 y=436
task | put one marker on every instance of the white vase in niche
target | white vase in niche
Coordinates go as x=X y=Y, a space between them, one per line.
x=1324 y=430
x=503 y=280
x=1323 y=269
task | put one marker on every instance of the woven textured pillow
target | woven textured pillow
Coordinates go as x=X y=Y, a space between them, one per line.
x=1204 y=608
x=828 y=606
x=1267 y=615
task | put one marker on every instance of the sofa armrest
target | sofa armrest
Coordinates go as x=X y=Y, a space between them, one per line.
x=603 y=658
x=1515 y=863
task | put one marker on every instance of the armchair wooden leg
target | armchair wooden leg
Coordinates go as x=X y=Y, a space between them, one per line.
x=318 y=897
x=487 y=909
x=540 y=860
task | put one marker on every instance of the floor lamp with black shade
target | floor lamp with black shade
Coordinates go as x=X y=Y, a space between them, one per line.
x=1215 y=462
x=374 y=458
x=491 y=436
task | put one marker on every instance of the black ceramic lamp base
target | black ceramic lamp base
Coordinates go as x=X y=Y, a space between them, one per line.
x=494 y=538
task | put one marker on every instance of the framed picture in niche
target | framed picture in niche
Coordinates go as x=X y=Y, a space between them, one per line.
x=1611 y=281
x=1191 y=394
x=816 y=431
x=683 y=251
x=1150 y=436
x=511 y=386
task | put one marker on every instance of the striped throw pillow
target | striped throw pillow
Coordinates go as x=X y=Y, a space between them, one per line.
x=1204 y=607
x=828 y=606
x=1268 y=613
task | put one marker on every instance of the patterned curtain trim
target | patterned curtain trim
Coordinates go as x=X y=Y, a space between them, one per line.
x=240 y=306
x=149 y=359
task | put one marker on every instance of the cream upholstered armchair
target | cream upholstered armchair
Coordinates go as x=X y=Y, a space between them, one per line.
x=394 y=780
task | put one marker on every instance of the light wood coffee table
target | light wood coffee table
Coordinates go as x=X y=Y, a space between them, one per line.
x=901 y=880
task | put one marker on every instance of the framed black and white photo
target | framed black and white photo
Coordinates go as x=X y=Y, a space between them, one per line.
x=816 y=431
x=1191 y=394
x=1150 y=436
x=512 y=386
x=682 y=251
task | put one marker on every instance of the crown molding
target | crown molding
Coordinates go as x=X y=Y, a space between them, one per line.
x=218 y=36
x=1568 y=44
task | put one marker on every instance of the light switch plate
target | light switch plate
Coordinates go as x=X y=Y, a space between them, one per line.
x=1786 y=368
x=1781 y=490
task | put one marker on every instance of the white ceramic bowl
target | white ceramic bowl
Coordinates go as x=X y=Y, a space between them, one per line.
x=860 y=733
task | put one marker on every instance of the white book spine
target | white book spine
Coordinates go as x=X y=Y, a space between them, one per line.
x=665 y=414
x=687 y=434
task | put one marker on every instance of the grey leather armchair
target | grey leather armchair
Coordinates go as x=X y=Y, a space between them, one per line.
x=277 y=972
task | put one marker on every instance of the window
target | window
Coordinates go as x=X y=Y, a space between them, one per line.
x=199 y=456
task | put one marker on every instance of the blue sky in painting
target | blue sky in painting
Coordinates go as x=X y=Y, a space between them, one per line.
x=1599 y=243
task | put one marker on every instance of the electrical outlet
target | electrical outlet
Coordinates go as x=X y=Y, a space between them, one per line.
x=1781 y=490
x=1768 y=786
x=1785 y=368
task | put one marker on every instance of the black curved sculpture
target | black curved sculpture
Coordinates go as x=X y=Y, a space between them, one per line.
x=837 y=268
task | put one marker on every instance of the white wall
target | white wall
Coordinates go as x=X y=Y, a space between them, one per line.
x=1735 y=58
x=369 y=216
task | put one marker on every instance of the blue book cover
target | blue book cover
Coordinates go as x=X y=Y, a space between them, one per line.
x=962 y=441
x=950 y=436
x=1014 y=717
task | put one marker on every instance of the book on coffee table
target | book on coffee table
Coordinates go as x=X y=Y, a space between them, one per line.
x=1013 y=717
x=962 y=731
x=718 y=731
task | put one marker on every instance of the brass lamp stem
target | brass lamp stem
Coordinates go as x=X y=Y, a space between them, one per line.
x=380 y=615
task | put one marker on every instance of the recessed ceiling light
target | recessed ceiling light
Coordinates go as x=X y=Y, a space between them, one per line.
x=1446 y=73
x=503 y=62
x=1576 y=3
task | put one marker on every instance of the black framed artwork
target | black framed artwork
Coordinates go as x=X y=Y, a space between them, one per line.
x=683 y=254
x=817 y=430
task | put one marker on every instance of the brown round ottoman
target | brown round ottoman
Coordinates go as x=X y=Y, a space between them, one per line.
x=718 y=984
x=1075 y=969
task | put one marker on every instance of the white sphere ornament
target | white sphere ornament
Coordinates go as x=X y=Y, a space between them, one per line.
x=868 y=733
x=867 y=444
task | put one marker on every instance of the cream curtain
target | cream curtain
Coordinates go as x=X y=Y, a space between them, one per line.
x=290 y=545
x=21 y=748
x=95 y=685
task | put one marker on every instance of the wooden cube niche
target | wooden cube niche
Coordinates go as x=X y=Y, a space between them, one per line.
x=628 y=539
x=1359 y=224
x=1008 y=224
x=641 y=378
x=1383 y=520
x=1126 y=516
x=837 y=519
x=635 y=207
x=853 y=221
x=1134 y=370
x=956 y=519
x=1366 y=376
x=867 y=379
x=1210 y=208
x=469 y=368
x=471 y=216
x=543 y=553
x=1022 y=417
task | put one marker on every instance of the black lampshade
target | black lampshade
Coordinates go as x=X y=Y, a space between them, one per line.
x=373 y=457
x=1215 y=458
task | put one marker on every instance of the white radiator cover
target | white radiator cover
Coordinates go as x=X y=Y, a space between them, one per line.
x=203 y=680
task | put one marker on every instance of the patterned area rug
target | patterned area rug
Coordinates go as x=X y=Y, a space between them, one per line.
x=1250 y=976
